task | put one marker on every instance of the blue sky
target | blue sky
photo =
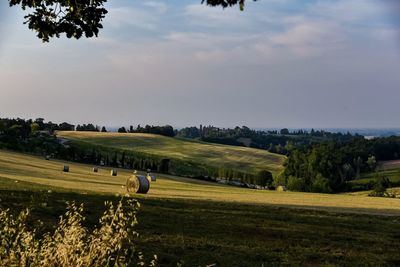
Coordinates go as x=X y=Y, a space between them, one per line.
x=280 y=63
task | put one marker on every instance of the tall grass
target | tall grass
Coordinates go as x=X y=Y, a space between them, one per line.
x=111 y=243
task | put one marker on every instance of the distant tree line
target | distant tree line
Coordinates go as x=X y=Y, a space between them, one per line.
x=87 y=127
x=166 y=130
x=281 y=142
x=30 y=135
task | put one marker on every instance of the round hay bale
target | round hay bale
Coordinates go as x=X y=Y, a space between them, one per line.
x=66 y=168
x=114 y=172
x=95 y=169
x=132 y=184
x=281 y=188
x=138 y=184
x=47 y=157
x=144 y=184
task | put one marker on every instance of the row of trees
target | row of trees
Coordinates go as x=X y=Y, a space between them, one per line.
x=166 y=130
x=25 y=127
x=281 y=142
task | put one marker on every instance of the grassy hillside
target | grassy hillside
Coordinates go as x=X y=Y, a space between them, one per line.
x=390 y=169
x=23 y=168
x=199 y=223
x=239 y=158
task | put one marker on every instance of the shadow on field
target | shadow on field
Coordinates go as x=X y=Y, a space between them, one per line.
x=228 y=234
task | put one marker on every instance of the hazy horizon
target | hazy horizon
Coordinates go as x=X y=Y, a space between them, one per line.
x=309 y=64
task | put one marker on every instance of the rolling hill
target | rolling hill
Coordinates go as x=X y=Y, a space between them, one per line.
x=221 y=156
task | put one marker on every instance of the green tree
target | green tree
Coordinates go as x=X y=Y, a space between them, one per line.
x=285 y=131
x=2 y=127
x=296 y=184
x=358 y=164
x=371 y=162
x=264 y=178
x=320 y=184
x=382 y=183
x=35 y=127
x=122 y=130
x=280 y=179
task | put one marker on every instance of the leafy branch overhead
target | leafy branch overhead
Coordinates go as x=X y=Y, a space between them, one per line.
x=50 y=18
x=77 y=18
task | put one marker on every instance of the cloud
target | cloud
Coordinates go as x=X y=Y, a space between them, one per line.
x=127 y=17
x=160 y=7
x=212 y=17
x=309 y=38
x=285 y=62
x=349 y=11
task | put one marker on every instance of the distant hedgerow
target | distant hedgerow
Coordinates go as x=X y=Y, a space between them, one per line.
x=112 y=243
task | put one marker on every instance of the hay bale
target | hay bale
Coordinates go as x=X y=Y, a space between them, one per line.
x=281 y=188
x=144 y=184
x=66 y=168
x=95 y=169
x=132 y=184
x=114 y=172
x=138 y=184
x=47 y=157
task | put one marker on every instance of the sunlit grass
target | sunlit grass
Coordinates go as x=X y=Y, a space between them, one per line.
x=16 y=168
x=240 y=158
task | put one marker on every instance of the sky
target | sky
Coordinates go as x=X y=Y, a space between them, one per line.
x=280 y=63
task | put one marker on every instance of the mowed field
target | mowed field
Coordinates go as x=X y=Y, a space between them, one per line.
x=19 y=167
x=240 y=158
x=197 y=223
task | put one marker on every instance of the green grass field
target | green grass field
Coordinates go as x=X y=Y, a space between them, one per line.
x=240 y=158
x=390 y=169
x=200 y=223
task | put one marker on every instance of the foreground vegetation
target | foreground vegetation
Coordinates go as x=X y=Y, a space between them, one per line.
x=200 y=232
x=111 y=243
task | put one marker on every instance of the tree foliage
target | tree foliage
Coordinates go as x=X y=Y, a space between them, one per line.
x=50 y=18
x=330 y=165
x=225 y=3
x=281 y=142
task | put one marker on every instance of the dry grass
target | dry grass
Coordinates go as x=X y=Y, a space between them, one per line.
x=112 y=243
x=240 y=158
x=19 y=167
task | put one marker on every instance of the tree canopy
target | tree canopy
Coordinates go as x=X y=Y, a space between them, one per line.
x=51 y=18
